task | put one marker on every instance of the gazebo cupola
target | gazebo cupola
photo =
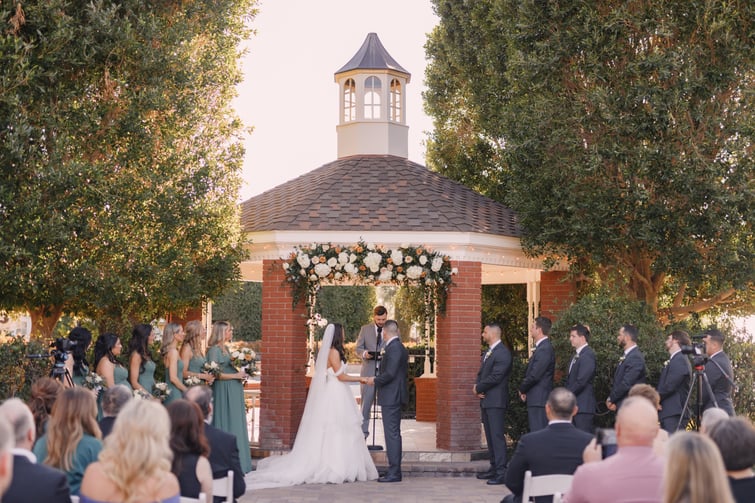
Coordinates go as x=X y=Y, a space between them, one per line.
x=372 y=103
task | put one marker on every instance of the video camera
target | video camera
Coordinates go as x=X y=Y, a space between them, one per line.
x=696 y=349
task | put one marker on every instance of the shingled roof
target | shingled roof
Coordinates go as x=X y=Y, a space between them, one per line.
x=372 y=56
x=376 y=193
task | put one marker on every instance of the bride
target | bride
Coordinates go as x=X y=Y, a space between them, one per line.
x=329 y=446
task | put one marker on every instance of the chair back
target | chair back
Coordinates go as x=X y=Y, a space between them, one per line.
x=544 y=485
x=224 y=487
x=74 y=498
x=557 y=498
x=201 y=499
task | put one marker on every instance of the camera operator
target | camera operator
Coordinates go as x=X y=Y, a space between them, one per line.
x=718 y=370
x=673 y=385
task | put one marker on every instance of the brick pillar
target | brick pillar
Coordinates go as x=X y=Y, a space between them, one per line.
x=284 y=359
x=458 y=350
x=556 y=293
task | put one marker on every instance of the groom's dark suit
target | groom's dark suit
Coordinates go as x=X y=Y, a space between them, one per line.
x=631 y=371
x=493 y=382
x=673 y=387
x=391 y=395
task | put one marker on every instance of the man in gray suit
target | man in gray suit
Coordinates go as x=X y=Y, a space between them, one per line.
x=392 y=393
x=369 y=345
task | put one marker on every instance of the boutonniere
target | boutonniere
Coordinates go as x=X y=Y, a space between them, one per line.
x=489 y=352
x=576 y=356
x=665 y=364
x=622 y=358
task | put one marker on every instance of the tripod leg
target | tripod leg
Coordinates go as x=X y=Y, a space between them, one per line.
x=685 y=408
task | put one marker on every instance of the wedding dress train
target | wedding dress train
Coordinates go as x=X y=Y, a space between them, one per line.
x=329 y=446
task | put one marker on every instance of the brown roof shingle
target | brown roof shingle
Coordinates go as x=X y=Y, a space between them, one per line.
x=376 y=193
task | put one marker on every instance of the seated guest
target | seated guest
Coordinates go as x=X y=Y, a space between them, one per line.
x=224 y=453
x=134 y=465
x=6 y=455
x=649 y=392
x=735 y=438
x=113 y=400
x=31 y=481
x=710 y=417
x=73 y=438
x=555 y=449
x=44 y=392
x=634 y=473
x=694 y=471
x=190 y=449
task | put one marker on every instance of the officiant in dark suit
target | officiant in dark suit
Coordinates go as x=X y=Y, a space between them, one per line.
x=631 y=368
x=673 y=385
x=392 y=393
x=581 y=376
x=369 y=343
x=492 y=388
x=538 y=378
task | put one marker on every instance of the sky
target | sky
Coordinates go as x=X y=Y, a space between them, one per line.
x=289 y=95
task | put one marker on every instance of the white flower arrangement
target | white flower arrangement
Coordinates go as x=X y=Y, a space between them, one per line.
x=94 y=382
x=665 y=364
x=317 y=320
x=160 y=391
x=244 y=358
x=211 y=368
x=140 y=394
x=192 y=381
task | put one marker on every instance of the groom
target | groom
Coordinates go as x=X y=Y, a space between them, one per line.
x=391 y=395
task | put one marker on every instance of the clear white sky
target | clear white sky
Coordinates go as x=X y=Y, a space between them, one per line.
x=289 y=95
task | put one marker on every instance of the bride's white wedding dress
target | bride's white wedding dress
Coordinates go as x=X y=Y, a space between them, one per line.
x=329 y=446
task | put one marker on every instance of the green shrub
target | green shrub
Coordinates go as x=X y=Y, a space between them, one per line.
x=17 y=371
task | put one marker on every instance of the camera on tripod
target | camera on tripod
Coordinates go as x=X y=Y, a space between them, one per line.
x=696 y=349
x=62 y=347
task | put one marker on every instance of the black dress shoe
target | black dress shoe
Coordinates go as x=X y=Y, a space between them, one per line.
x=486 y=475
x=496 y=481
x=389 y=478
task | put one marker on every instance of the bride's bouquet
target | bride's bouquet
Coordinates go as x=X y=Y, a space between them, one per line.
x=94 y=382
x=211 y=368
x=160 y=391
x=244 y=358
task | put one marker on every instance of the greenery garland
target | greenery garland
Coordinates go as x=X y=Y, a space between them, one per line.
x=310 y=266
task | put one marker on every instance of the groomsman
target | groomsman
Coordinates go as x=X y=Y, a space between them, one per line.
x=631 y=368
x=673 y=385
x=492 y=388
x=538 y=378
x=369 y=343
x=392 y=394
x=581 y=376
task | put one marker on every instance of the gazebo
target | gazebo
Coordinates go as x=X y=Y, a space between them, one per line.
x=372 y=193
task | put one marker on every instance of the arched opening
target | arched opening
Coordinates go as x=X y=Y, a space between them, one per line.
x=372 y=89
x=395 y=104
x=349 y=101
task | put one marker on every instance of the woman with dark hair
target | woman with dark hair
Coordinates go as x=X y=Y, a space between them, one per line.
x=78 y=364
x=106 y=351
x=44 y=393
x=141 y=367
x=329 y=446
x=190 y=449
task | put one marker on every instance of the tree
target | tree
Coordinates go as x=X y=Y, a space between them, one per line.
x=351 y=306
x=241 y=305
x=120 y=156
x=620 y=133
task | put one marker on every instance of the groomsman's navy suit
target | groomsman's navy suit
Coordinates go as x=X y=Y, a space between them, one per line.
x=36 y=482
x=630 y=371
x=391 y=395
x=493 y=382
x=538 y=383
x=557 y=449
x=673 y=386
x=719 y=383
x=580 y=382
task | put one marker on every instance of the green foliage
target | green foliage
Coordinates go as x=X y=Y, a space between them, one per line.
x=741 y=350
x=620 y=133
x=507 y=305
x=351 y=306
x=120 y=155
x=604 y=313
x=17 y=372
x=241 y=305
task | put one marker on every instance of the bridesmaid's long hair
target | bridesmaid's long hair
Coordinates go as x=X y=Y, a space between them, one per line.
x=169 y=335
x=217 y=335
x=104 y=348
x=193 y=337
x=337 y=343
x=138 y=343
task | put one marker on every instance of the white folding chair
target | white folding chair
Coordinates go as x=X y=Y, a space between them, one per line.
x=74 y=498
x=557 y=498
x=224 y=487
x=544 y=485
x=201 y=499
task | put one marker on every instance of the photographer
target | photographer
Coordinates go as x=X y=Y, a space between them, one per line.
x=718 y=370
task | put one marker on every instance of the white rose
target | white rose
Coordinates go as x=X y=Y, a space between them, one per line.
x=350 y=269
x=385 y=275
x=325 y=247
x=414 y=272
x=423 y=259
x=437 y=263
x=370 y=246
x=322 y=270
x=285 y=266
x=400 y=277
x=235 y=355
x=332 y=261
x=338 y=275
x=313 y=277
x=455 y=270
x=372 y=261
x=397 y=256
x=302 y=272
x=303 y=260
x=352 y=258
x=343 y=258
x=408 y=259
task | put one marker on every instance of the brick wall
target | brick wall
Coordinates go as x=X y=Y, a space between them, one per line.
x=458 y=410
x=284 y=357
x=556 y=293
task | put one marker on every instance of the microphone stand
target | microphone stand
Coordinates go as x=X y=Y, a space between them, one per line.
x=375 y=447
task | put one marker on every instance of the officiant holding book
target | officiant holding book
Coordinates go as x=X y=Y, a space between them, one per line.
x=369 y=344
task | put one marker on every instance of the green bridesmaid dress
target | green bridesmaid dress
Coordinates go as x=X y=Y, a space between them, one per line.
x=175 y=393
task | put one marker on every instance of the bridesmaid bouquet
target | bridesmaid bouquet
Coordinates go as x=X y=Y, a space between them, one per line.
x=211 y=368
x=142 y=395
x=94 y=382
x=160 y=391
x=244 y=358
x=192 y=381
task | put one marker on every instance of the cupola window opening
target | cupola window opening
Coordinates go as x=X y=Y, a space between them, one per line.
x=395 y=108
x=349 y=101
x=372 y=89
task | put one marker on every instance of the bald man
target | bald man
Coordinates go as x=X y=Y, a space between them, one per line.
x=635 y=472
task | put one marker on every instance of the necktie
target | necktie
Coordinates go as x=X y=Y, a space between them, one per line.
x=379 y=338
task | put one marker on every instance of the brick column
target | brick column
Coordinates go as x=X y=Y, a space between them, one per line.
x=556 y=293
x=458 y=353
x=284 y=359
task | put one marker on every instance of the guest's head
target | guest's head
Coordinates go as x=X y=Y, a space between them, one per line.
x=202 y=396
x=6 y=455
x=735 y=438
x=636 y=422
x=108 y=346
x=646 y=391
x=561 y=405
x=173 y=335
x=195 y=335
x=579 y=335
x=114 y=398
x=714 y=341
x=82 y=337
x=73 y=415
x=142 y=336
x=694 y=471
x=44 y=393
x=137 y=447
x=19 y=416
x=711 y=417
x=218 y=333
x=186 y=431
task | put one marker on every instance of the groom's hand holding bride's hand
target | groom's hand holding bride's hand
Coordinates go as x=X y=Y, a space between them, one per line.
x=368 y=380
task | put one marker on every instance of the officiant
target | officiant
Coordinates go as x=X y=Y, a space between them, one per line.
x=369 y=344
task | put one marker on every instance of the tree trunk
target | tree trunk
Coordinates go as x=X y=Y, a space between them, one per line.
x=43 y=321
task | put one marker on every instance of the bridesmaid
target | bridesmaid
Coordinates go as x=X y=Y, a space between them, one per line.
x=228 y=393
x=192 y=352
x=141 y=367
x=76 y=363
x=173 y=335
x=106 y=351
